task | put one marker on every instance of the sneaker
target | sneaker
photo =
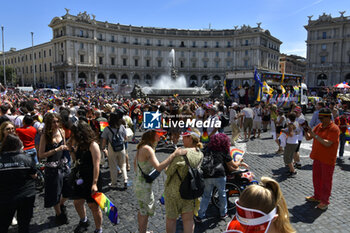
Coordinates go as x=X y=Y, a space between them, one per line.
x=98 y=231
x=311 y=199
x=63 y=209
x=322 y=206
x=292 y=174
x=61 y=219
x=14 y=221
x=297 y=165
x=112 y=186
x=125 y=185
x=224 y=217
x=197 y=219
x=82 y=226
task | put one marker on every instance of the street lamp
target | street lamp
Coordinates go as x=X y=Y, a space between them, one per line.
x=3 y=54
x=33 y=58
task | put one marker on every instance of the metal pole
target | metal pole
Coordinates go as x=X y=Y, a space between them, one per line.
x=3 y=54
x=33 y=58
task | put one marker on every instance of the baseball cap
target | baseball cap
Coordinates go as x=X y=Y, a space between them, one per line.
x=297 y=109
x=234 y=104
x=249 y=220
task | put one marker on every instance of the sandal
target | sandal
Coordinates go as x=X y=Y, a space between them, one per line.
x=322 y=206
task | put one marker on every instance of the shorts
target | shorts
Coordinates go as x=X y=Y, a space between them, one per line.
x=289 y=151
x=257 y=125
x=247 y=123
x=298 y=147
x=56 y=184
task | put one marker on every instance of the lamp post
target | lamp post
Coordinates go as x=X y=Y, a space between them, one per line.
x=3 y=54
x=33 y=59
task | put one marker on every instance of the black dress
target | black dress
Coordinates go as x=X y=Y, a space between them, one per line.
x=82 y=176
x=56 y=176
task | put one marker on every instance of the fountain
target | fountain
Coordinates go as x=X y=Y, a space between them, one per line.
x=170 y=84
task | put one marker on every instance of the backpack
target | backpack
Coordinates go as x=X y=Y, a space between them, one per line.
x=192 y=186
x=211 y=166
x=117 y=142
x=225 y=121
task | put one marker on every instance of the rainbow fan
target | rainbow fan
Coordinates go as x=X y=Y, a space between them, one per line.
x=103 y=125
x=236 y=154
x=347 y=134
x=106 y=206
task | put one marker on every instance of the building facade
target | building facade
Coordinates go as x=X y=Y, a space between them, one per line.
x=292 y=64
x=85 y=50
x=328 y=50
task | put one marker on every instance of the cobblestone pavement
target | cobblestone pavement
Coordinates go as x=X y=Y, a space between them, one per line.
x=263 y=162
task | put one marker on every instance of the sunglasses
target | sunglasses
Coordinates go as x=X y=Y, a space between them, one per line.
x=10 y=129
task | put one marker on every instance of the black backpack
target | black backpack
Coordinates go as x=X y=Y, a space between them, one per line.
x=225 y=121
x=117 y=142
x=211 y=166
x=192 y=186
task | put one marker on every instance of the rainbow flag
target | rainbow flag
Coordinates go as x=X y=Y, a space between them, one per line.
x=103 y=125
x=347 y=134
x=106 y=206
x=139 y=119
x=226 y=91
x=204 y=137
x=235 y=153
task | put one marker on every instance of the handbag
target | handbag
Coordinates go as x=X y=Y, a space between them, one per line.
x=129 y=133
x=151 y=176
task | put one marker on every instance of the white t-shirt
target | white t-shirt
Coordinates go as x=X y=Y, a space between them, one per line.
x=257 y=114
x=294 y=139
x=300 y=120
x=241 y=92
x=248 y=113
x=199 y=112
x=213 y=119
x=233 y=114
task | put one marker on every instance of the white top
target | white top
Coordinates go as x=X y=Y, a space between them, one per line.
x=241 y=92
x=213 y=119
x=233 y=114
x=300 y=120
x=248 y=112
x=257 y=114
x=294 y=139
x=283 y=122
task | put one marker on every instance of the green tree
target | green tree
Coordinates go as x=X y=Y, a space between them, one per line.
x=11 y=76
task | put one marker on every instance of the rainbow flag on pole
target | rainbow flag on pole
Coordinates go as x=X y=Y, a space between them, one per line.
x=236 y=153
x=347 y=134
x=106 y=206
x=205 y=137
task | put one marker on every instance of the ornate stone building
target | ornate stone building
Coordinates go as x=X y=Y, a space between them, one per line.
x=292 y=64
x=328 y=50
x=87 y=50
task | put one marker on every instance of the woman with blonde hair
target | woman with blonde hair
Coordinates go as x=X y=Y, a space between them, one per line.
x=6 y=128
x=146 y=162
x=176 y=172
x=261 y=208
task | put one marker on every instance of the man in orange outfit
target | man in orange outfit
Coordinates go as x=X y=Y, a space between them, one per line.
x=324 y=154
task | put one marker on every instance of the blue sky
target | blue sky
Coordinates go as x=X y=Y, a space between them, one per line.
x=283 y=18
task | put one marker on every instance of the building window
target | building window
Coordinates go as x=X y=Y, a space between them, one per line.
x=159 y=63
x=39 y=54
x=62 y=58
x=40 y=68
x=159 y=53
x=62 y=45
x=228 y=64
x=136 y=62
x=34 y=56
x=246 y=43
x=193 y=44
x=182 y=44
x=81 y=58
x=124 y=50
x=112 y=38
x=182 y=64
x=228 y=43
x=100 y=36
x=49 y=52
x=124 y=40
x=170 y=43
x=217 y=44
x=245 y=63
x=112 y=61
x=81 y=45
x=217 y=54
x=44 y=53
x=159 y=42
x=136 y=41
x=205 y=44
x=323 y=59
x=246 y=52
x=324 y=35
x=182 y=54
x=205 y=54
x=113 y=49
x=193 y=65
x=50 y=67
x=205 y=64
x=216 y=64
x=147 y=63
x=35 y=69
x=148 y=52
x=229 y=53
x=100 y=60
x=324 y=46
x=27 y=69
x=193 y=54
x=81 y=33
x=124 y=61
x=147 y=42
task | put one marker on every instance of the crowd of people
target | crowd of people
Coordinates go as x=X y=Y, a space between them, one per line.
x=75 y=133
